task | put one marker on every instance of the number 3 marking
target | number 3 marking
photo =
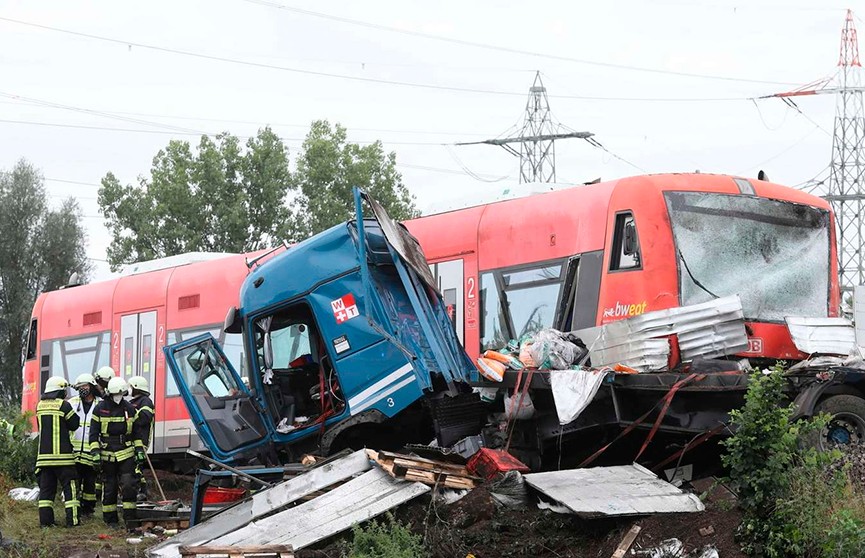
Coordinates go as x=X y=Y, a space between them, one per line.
x=390 y=402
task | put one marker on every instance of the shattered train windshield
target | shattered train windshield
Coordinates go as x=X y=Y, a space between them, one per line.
x=774 y=255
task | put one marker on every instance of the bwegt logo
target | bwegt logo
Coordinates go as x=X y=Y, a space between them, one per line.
x=625 y=310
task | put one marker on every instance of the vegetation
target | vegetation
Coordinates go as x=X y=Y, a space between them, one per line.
x=792 y=505
x=225 y=197
x=40 y=248
x=17 y=447
x=385 y=539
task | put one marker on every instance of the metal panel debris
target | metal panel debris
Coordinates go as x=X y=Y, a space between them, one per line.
x=613 y=491
x=709 y=329
x=265 y=502
x=360 y=499
x=822 y=335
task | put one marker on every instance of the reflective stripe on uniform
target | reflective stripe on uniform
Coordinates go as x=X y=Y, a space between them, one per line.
x=109 y=508
x=128 y=505
x=46 y=503
x=85 y=497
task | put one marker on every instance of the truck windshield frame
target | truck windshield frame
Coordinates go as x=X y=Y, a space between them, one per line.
x=774 y=254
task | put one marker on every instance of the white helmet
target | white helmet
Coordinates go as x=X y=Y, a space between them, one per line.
x=139 y=383
x=55 y=383
x=116 y=386
x=105 y=374
x=84 y=379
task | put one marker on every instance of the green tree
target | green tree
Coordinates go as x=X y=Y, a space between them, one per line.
x=220 y=198
x=40 y=248
x=327 y=169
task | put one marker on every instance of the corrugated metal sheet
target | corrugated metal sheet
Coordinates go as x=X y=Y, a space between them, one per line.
x=613 y=491
x=710 y=329
x=360 y=499
x=822 y=335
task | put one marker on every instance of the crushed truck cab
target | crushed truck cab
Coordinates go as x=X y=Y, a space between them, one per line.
x=346 y=343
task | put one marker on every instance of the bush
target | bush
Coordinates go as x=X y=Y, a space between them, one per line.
x=18 y=448
x=386 y=539
x=793 y=503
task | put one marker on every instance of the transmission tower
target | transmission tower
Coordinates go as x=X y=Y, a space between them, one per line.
x=537 y=138
x=846 y=185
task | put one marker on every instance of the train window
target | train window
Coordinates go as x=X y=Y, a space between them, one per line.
x=517 y=302
x=70 y=357
x=626 y=245
x=31 y=341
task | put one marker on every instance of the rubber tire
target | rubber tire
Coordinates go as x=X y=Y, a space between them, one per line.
x=832 y=405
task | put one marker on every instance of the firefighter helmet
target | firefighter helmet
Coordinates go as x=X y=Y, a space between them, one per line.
x=105 y=374
x=84 y=379
x=139 y=383
x=116 y=386
x=55 y=383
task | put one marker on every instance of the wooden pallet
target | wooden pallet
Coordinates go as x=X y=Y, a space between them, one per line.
x=267 y=551
x=427 y=471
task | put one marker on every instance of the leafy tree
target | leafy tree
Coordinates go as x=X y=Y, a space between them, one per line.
x=40 y=248
x=224 y=198
x=217 y=199
x=327 y=169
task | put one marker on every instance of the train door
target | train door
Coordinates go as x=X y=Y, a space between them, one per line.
x=139 y=346
x=449 y=276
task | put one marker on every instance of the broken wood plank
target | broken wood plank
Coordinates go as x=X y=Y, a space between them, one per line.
x=627 y=541
x=421 y=462
x=360 y=499
x=265 y=502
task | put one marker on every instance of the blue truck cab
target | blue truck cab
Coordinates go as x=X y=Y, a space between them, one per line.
x=346 y=343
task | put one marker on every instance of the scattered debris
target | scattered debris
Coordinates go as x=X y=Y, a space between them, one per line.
x=573 y=390
x=670 y=548
x=264 y=518
x=24 y=494
x=427 y=471
x=510 y=490
x=613 y=491
x=627 y=541
x=488 y=463
x=266 y=502
x=707 y=531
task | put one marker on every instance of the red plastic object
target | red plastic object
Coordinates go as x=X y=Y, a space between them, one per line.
x=488 y=463
x=219 y=495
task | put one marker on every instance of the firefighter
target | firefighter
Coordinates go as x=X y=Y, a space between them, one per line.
x=55 y=462
x=84 y=404
x=139 y=391
x=113 y=437
x=102 y=377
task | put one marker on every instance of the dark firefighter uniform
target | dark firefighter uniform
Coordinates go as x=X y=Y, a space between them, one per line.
x=144 y=417
x=55 y=462
x=113 y=436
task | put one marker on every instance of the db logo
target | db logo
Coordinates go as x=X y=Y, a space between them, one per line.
x=755 y=345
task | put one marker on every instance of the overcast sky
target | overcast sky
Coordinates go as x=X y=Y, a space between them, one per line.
x=640 y=74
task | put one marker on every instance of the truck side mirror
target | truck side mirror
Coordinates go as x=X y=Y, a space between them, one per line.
x=629 y=241
x=233 y=323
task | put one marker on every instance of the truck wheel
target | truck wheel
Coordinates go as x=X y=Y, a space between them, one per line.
x=847 y=425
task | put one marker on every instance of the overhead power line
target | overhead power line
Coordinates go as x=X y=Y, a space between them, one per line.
x=429 y=86
x=509 y=50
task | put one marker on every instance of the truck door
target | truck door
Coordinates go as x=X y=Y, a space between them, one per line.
x=222 y=409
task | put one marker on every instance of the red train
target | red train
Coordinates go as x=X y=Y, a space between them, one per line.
x=572 y=258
